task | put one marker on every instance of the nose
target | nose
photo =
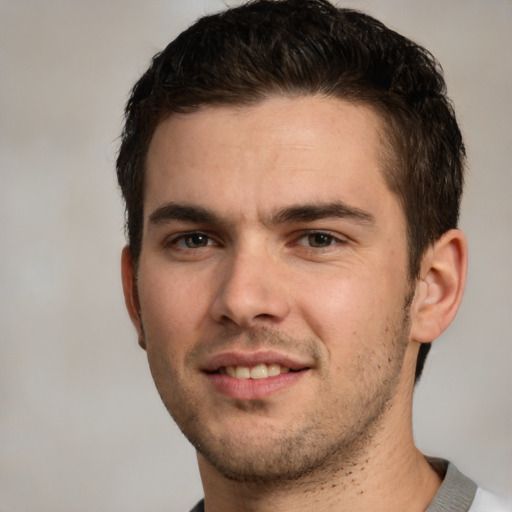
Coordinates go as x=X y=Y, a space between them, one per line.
x=252 y=291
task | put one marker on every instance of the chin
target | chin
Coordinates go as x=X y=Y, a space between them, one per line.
x=271 y=456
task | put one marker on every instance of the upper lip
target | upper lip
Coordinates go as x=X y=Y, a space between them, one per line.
x=239 y=358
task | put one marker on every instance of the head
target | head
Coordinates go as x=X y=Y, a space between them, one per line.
x=297 y=48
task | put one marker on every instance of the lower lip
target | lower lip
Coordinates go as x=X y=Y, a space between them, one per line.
x=253 y=389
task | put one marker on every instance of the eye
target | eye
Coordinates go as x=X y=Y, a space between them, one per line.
x=318 y=240
x=193 y=241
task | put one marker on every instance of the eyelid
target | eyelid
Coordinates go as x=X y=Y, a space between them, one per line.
x=213 y=241
x=173 y=239
x=336 y=237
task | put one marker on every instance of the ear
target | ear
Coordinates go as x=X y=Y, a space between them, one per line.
x=131 y=298
x=440 y=287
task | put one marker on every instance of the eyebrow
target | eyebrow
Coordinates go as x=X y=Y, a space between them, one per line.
x=183 y=212
x=294 y=213
x=312 y=212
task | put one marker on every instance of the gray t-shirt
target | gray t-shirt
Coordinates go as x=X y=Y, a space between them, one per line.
x=457 y=493
x=460 y=494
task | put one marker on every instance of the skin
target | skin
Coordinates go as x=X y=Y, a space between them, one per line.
x=270 y=235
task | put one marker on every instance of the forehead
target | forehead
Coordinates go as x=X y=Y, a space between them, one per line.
x=282 y=150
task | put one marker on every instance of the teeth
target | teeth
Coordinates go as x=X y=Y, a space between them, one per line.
x=242 y=372
x=275 y=369
x=260 y=371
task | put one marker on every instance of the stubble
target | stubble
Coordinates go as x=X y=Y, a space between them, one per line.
x=320 y=442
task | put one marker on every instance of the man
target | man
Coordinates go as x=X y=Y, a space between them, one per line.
x=292 y=175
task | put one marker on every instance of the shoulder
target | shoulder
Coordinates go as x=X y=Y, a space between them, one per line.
x=199 y=507
x=487 y=502
x=458 y=493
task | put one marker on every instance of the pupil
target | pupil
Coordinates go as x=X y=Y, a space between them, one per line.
x=319 y=239
x=196 y=241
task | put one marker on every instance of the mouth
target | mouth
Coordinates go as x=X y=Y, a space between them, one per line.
x=254 y=376
x=257 y=372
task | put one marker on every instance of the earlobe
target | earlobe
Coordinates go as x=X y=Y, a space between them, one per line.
x=440 y=287
x=131 y=298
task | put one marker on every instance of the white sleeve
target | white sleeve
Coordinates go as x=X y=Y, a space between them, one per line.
x=487 y=502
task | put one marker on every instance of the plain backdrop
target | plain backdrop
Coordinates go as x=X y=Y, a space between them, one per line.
x=81 y=425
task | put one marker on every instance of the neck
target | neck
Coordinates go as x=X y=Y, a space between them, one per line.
x=390 y=475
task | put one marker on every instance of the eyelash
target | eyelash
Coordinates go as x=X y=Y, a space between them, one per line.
x=330 y=238
x=184 y=236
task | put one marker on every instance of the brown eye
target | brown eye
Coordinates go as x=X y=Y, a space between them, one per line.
x=196 y=240
x=320 y=240
x=193 y=241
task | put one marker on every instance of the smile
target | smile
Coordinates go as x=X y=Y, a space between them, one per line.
x=259 y=371
x=255 y=375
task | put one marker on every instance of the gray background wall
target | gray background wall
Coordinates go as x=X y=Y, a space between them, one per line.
x=81 y=426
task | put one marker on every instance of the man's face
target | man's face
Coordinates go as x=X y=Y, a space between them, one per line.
x=272 y=284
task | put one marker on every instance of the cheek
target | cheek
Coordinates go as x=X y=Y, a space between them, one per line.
x=349 y=310
x=173 y=306
x=336 y=302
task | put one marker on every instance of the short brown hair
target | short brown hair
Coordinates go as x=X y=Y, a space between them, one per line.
x=304 y=47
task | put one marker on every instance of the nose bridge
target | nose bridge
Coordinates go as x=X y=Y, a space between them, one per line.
x=250 y=289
